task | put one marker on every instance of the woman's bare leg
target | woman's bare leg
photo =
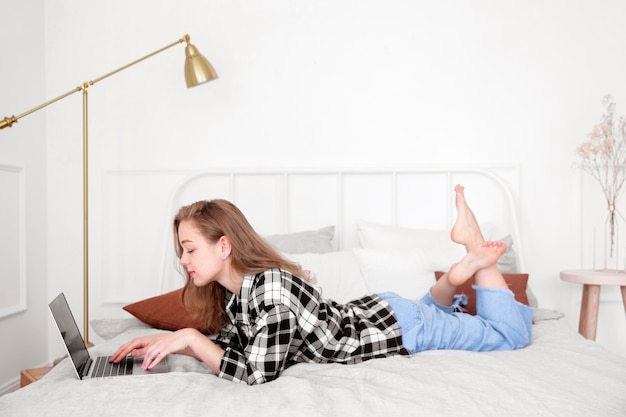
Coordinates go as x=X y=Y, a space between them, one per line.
x=480 y=257
x=466 y=231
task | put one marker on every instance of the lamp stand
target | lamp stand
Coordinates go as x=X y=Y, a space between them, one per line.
x=85 y=88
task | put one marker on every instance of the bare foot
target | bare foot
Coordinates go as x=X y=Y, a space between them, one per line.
x=465 y=230
x=478 y=258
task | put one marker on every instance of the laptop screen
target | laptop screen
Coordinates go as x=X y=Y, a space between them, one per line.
x=69 y=332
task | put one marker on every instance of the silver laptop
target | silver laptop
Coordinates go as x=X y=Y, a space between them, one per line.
x=84 y=365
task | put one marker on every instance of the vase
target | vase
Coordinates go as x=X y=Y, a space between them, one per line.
x=608 y=254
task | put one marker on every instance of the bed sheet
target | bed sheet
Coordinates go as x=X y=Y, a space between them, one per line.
x=558 y=374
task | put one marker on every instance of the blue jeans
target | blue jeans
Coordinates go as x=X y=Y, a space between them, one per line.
x=501 y=323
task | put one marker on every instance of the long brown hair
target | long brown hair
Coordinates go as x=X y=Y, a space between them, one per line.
x=250 y=254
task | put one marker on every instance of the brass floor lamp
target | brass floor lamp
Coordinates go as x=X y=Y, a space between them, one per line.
x=198 y=70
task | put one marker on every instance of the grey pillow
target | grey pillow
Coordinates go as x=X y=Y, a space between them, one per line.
x=310 y=241
x=507 y=264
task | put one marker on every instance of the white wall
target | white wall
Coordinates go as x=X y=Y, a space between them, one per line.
x=382 y=83
x=23 y=273
x=330 y=83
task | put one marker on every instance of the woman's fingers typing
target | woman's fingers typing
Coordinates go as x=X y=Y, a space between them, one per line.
x=136 y=347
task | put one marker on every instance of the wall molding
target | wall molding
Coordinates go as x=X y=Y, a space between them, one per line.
x=13 y=240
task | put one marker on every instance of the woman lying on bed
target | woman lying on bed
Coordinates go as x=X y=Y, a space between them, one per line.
x=266 y=316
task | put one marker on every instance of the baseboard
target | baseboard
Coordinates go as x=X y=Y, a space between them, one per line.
x=10 y=386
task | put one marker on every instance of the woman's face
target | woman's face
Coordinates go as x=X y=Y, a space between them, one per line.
x=203 y=260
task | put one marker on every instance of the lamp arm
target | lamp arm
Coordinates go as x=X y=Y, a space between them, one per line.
x=8 y=121
x=183 y=39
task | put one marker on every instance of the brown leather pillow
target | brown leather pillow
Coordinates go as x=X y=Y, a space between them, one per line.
x=164 y=311
x=517 y=283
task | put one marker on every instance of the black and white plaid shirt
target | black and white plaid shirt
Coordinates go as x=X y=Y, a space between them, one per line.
x=280 y=320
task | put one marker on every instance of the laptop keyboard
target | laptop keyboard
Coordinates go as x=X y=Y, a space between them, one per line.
x=105 y=368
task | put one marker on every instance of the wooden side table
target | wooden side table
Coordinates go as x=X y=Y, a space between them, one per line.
x=592 y=283
x=28 y=376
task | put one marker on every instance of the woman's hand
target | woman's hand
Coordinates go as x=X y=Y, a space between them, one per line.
x=135 y=347
x=181 y=341
x=157 y=346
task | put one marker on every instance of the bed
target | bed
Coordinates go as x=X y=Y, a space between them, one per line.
x=358 y=231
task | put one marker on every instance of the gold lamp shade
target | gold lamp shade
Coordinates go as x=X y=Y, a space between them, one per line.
x=198 y=69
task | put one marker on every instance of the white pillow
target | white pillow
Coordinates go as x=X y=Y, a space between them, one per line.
x=438 y=242
x=337 y=273
x=407 y=272
x=379 y=236
x=442 y=250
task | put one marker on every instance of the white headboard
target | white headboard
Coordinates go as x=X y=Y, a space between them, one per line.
x=292 y=200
